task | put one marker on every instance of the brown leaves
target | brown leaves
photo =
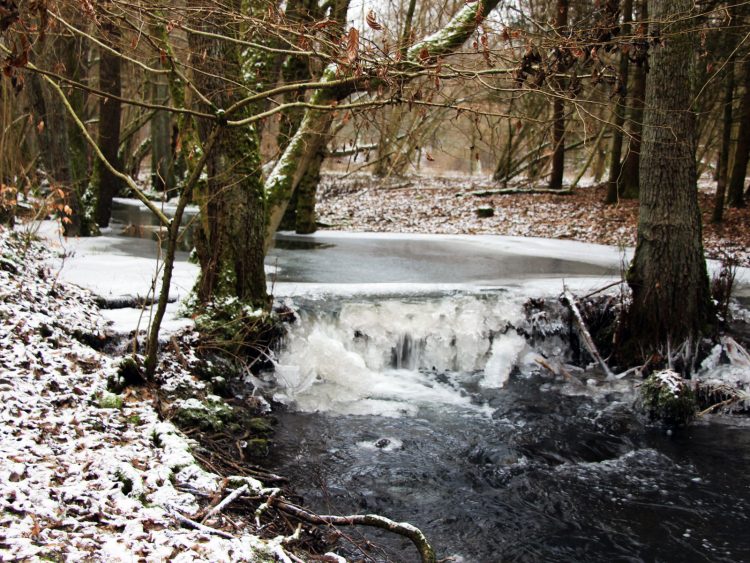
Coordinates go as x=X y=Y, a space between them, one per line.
x=352 y=45
x=372 y=21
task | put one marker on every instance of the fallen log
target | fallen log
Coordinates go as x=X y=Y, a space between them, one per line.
x=515 y=191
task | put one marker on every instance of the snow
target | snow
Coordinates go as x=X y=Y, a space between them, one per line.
x=79 y=481
x=107 y=266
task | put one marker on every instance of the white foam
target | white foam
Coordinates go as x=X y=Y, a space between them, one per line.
x=384 y=357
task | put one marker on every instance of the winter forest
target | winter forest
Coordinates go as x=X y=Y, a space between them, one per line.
x=374 y=280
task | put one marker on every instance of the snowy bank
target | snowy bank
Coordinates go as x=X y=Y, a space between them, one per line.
x=85 y=474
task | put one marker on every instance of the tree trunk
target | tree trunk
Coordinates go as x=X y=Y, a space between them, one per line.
x=722 y=170
x=742 y=148
x=109 y=126
x=558 y=111
x=300 y=214
x=162 y=158
x=615 y=167
x=668 y=274
x=229 y=239
x=52 y=126
x=630 y=176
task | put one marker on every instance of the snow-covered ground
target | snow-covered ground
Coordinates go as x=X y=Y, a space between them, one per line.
x=85 y=474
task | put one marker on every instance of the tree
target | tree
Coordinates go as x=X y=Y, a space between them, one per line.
x=736 y=184
x=109 y=121
x=615 y=167
x=668 y=274
x=312 y=133
x=558 y=110
x=630 y=177
x=229 y=239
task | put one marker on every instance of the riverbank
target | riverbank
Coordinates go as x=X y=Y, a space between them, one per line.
x=88 y=474
x=449 y=206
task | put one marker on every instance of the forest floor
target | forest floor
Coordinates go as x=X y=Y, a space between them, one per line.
x=448 y=205
x=90 y=475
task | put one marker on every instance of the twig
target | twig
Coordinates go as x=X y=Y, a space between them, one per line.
x=562 y=371
x=219 y=507
x=401 y=528
x=266 y=505
x=200 y=527
x=605 y=288
x=712 y=408
x=588 y=342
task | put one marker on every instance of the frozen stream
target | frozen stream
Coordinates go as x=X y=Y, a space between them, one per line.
x=411 y=393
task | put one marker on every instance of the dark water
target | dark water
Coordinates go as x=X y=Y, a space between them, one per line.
x=549 y=477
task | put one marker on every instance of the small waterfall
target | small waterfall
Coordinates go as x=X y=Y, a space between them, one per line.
x=387 y=357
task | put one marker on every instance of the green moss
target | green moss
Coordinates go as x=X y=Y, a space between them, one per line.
x=211 y=414
x=257 y=447
x=667 y=397
x=236 y=326
x=259 y=425
x=107 y=400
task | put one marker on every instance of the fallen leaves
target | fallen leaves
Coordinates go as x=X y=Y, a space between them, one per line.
x=441 y=205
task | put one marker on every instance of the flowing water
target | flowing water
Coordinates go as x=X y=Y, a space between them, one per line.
x=434 y=410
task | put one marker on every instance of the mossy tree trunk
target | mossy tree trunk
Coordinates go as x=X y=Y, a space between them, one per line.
x=312 y=134
x=300 y=213
x=229 y=239
x=162 y=158
x=668 y=274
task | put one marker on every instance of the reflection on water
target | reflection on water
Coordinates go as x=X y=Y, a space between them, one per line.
x=129 y=220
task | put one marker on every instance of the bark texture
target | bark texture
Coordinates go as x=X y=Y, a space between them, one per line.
x=668 y=274
x=726 y=142
x=742 y=149
x=110 y=81
x=162 y=158
x=229 y=240
x=558 y=111
x=630 y=176
x=615 y=166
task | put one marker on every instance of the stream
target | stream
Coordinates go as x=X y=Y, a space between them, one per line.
x=423 y=402
x=413 y=390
